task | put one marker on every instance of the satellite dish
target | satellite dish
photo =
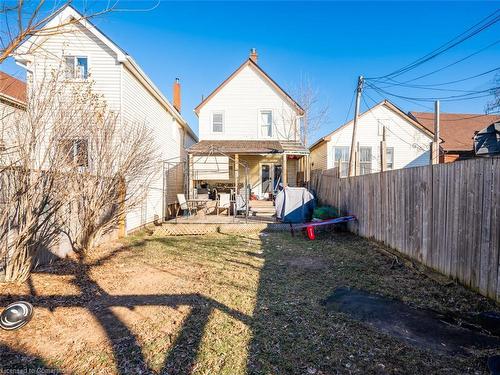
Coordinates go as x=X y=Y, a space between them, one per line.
x=16 y=315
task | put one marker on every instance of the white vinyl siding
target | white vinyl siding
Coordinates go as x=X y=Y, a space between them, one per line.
x=77 y=41
x=124 y=94
x=410 y=145
x=241 y=99
x=140 y=106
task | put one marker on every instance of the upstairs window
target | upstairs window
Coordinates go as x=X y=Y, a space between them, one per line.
x=341 y=160
x=389 y=157
x=365 y=160
x=217 y=122
x=76 y=152
x=266 y=123
x=76 y=67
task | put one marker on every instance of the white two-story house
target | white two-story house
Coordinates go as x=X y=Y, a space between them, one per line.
x=87 y=54
x=250 y=120
x=407 y=143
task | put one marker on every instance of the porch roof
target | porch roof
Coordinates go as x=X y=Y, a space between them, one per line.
x=247 y=147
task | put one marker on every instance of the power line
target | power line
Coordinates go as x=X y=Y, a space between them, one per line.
x=449 y=65
x=444 y=98
x=396 y=83
x=406 y=100
x=350 y=106
x=400 y=127
x=482 y=25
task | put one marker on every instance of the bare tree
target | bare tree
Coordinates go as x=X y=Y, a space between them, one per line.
x=494 y=105
x=22 y=19
x=68 y=166
x=30 y=173
x=112 y=168
x=316 y=111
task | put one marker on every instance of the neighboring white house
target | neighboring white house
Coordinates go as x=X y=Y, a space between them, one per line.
x=407 y=142
x=249 y=117
x=87 y=54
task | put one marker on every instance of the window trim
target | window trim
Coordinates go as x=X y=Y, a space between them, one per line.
x=366 y=162
x=381 y=124
x=341 y=161
x=387 y=159
x=212 y=113
x=75 y=57
x=73 y=160
x=261 y=135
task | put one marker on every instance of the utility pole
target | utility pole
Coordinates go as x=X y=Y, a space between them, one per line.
x=352 y=157
x=435 y=143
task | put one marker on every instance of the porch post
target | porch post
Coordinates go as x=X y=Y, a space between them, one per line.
x=236 y=173
x=284 y=170
x=307 y=170
x=190 y=176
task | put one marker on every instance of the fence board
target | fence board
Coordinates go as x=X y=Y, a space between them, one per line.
x=446 y=216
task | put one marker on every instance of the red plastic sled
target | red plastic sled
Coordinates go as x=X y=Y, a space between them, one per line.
x=310 y=225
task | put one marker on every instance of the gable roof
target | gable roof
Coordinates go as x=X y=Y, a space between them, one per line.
x=12 y=89
x=456 y=129
x=66 y=13
x=386 y=103
x=250 y=63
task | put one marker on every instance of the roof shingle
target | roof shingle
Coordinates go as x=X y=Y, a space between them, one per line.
x=456 y=129
x=12 y=87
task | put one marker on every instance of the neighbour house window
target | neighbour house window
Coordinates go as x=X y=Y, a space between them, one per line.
x=381 y=126
x=217 y=122
x=341 y=160
x=76 y=152
x=365 y=160
x=389 y=157
x=76 y=67
x=266 y=123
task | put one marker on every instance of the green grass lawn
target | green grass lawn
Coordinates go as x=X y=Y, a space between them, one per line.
x=226 y=304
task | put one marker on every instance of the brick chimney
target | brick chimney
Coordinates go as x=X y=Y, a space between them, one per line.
x=253 y=55
x=177 y=95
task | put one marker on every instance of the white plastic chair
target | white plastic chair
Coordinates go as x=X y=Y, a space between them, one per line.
x=184 y=206
x=224 y=203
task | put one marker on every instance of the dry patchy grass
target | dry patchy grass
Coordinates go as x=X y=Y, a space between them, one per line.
x=224 y=304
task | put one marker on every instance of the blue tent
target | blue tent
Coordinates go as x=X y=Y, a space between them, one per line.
x=294 y=205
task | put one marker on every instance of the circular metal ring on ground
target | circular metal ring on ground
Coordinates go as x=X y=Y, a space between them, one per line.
x=16 y=315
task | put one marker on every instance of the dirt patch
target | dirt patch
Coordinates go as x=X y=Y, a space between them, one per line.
x=307 y=263
x=425 y=329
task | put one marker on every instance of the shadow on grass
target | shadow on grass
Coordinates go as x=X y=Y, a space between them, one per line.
x=291 y=332
x=126 y=349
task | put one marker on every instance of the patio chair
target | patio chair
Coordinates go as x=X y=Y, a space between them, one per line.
x=184 y=206
x=224 y=203
x=240 y=205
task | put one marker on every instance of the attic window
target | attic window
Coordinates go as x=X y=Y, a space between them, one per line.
x=217 y=122
x=76 y=67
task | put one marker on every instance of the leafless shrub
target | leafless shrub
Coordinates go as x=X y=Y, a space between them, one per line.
x=68 y=166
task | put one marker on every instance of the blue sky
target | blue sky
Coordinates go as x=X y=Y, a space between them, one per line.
x=329 y=42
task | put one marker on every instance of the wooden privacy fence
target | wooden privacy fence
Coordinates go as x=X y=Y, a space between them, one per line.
x=446 y=216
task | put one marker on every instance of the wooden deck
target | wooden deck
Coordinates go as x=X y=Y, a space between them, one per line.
x=261 y=219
